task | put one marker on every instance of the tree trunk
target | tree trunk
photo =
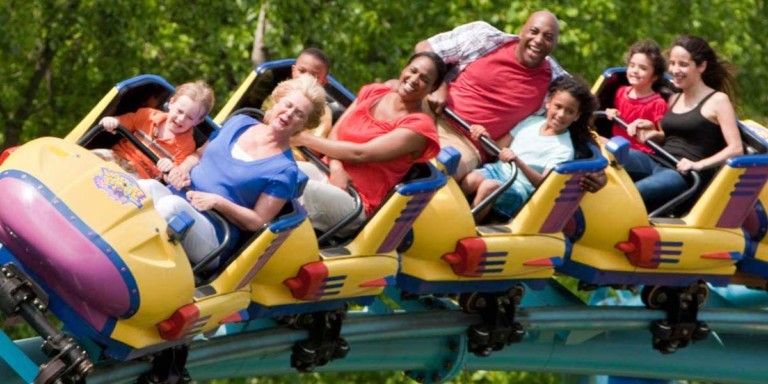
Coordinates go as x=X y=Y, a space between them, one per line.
x=259 y=54
x=12 y=131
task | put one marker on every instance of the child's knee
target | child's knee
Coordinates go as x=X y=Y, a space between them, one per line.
x=488 y=186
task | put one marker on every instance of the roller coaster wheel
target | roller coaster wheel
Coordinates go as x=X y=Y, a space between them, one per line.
x=702 y=293
x=661 y=329
x=666 y=347
x=516 y=293
x=49 y=373
x=303 y=357
x=701 y=332
x=479 y=339
x=341 y=350
x=517 y=334
x=653 y=296
x=471 y=302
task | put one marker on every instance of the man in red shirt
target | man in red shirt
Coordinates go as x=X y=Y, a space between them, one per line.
x=499 y=79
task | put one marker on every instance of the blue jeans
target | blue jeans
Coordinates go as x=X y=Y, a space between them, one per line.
x=656 y=182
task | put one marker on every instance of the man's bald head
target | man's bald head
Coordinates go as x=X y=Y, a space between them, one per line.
x=538 y=37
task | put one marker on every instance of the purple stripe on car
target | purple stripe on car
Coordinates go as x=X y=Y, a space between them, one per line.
x=52 y=246
x=742 y=198
x=565 y=205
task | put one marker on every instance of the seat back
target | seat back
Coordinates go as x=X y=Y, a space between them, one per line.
x=144 y=91
x=254 y=249
x=259 y=85
x=555 y=201
x=605 y=89
x=388 y=225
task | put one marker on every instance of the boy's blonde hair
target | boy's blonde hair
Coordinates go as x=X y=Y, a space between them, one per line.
x=311 y=89
x=198 y=91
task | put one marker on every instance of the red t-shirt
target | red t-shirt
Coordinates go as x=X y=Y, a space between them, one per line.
x=374 y=180
x=497 y=91
x=144 y=122
x=650 y=108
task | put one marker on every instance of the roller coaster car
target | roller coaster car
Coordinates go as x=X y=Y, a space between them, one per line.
x=79 y=237
x=488 y=263
x=618 y=244
x=144 y=91
x=309 y=276
x=752 y=270
x=252 y=92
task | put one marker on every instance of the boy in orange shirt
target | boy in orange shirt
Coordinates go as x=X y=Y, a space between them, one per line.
x=167 y=134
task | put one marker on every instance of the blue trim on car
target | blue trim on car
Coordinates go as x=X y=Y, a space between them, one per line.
x=595 y=163
x=256 y=310
x=593 y=275
x=415 y=285
x=433 y=182
x=290 y=220
x=748 y=161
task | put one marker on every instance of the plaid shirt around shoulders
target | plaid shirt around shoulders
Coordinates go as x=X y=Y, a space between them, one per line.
x=469 y=42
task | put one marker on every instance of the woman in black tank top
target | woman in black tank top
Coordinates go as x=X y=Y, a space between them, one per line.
x=699 y=128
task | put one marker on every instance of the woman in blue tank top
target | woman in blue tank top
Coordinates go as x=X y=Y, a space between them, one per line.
x=699 y=128
x=246 y=171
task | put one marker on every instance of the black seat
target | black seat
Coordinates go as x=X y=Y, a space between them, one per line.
x=272 y=73
x=144 y=91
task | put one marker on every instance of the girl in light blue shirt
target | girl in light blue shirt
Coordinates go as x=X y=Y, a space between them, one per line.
x=535 y=146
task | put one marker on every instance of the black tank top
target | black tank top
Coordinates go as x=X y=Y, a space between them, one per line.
x=691 y=135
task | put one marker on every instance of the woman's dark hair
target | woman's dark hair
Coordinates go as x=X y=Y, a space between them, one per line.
x=719 y=73
x=442 y=69
x=579 y=90
x=651 y=49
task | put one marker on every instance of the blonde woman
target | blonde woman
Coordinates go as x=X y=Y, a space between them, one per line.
x=246 y=171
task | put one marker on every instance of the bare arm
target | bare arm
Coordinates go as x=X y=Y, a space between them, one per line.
x=534 y=177
x=178 y=177
x=505 y=141
x=507 y=155
x=249 y=219
x=422 y=46
x=393 y=144
x=720 y=109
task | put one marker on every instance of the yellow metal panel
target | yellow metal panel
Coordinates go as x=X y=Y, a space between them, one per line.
x=233 y=101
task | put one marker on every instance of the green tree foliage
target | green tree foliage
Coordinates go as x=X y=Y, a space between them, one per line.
x=60 y=56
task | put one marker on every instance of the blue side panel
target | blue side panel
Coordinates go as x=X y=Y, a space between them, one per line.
x=418 y=286
x=754 y=267
x=593 y=275
x=260 y=311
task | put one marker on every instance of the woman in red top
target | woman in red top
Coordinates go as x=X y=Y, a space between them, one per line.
x=377 y=140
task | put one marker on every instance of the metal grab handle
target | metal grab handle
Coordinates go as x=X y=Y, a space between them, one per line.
x=694 y=175
x=494 y=150
x=352 y=192
x=125 y=133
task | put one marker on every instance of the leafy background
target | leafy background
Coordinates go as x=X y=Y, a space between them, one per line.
x=59 y=57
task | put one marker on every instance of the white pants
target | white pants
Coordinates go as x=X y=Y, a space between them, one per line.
x=201 y=237
x=326 y=203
